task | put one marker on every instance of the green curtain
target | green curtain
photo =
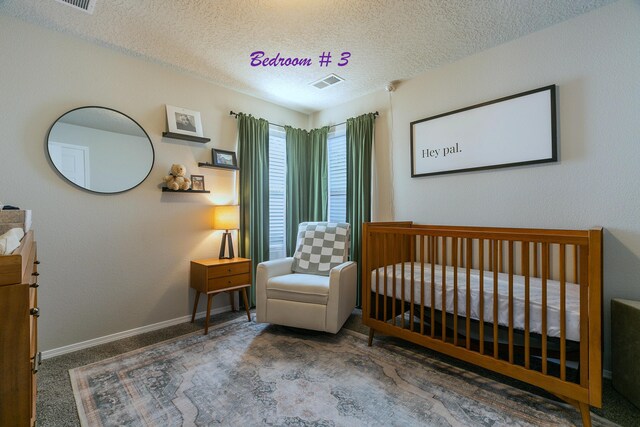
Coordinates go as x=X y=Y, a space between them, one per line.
x=296 y=194
x=359 y=155
x=307 y=192
x=253 y=160
x=318 y=173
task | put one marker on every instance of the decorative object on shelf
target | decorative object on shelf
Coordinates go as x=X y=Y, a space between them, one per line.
x=197 y=182
x=176 y=180
x=226 y=217
x=224 y=159
x=98 y=141
x=183 y=121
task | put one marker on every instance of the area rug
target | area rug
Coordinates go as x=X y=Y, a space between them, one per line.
x=249 y=374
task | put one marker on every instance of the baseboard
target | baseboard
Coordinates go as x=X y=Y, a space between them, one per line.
x=126 y=334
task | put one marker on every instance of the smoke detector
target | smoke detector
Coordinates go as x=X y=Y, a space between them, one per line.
x=86 y=6
x=327 y=81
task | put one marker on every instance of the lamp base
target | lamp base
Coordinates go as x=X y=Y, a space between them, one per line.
x=226 y=241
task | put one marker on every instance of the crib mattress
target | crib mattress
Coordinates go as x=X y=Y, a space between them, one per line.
x=572 y=298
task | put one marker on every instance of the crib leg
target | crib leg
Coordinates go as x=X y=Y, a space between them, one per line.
x=581 y=406
x=586 y=414
x=371 y=332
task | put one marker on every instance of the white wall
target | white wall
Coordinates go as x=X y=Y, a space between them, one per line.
x=111 y=263
x=595 y=61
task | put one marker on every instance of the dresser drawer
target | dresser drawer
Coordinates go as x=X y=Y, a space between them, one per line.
x=229 y=281
x=228 y=269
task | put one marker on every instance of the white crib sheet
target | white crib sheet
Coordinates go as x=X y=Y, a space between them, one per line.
x=535 y=295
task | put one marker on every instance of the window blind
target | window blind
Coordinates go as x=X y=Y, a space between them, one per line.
x=277 y=191
x=337 y=147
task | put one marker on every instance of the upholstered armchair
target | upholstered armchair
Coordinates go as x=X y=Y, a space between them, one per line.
x=316 y=288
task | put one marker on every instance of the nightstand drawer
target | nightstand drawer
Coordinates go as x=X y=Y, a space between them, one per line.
x=229 y=281
x=227 y=270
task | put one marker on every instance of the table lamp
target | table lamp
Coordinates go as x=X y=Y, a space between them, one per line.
x=226 y=218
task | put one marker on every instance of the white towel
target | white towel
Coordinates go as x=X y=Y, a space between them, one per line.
x=10 y=240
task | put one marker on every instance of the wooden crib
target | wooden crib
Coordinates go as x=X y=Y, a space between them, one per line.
x=526 y=303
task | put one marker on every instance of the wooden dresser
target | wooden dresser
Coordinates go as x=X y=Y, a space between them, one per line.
x=19 y=357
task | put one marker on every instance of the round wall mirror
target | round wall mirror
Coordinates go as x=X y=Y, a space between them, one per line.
x=100 y=150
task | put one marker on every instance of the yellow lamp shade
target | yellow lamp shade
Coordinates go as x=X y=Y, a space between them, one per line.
x=226 y=217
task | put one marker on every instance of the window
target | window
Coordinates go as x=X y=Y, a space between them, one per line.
x=337 y=147
x=277 y=192
x=337 y=151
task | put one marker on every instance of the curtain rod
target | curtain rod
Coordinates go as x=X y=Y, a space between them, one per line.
x=231 y=113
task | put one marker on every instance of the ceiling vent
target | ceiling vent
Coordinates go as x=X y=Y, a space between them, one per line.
x=325 y=82
x=84 y=5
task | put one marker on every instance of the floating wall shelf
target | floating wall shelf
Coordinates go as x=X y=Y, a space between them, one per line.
x=166 y=190
x=209 y=165
x=186 y=137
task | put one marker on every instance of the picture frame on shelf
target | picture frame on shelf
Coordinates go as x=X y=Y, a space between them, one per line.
x=184 y=121
x=224 y=159
x=197 y=182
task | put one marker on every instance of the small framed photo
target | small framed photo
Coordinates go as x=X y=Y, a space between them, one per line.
x=186 y=122
x=224 y=159
x=197 y=182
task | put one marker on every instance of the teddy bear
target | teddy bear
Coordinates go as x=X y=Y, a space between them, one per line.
x=176 y=180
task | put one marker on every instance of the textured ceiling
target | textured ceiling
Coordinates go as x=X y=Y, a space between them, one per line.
x=388 y=39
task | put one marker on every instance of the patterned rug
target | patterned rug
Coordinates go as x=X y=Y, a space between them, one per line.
x=253 y=374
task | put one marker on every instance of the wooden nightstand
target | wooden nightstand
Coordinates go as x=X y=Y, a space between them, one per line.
x=212 y=276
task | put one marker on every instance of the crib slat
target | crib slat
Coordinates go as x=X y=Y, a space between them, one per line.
x=535 y=259
x=385 y=293
x=468 y=261
x=444 y=289
x=422 y=283
x=434 y=252
x=510 y=267
x=563 y=313
x=377 y=245
x=490 y=253
x=545 y=275
x=500 y=256
x=413 y=284
x=394 y=251
x=402 y=258
x=584 y=313
x=527 y=309
x=454 y=251
x=495 y=300
x=481 y=291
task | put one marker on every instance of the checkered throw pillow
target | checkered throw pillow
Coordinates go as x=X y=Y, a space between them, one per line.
x=321 y=246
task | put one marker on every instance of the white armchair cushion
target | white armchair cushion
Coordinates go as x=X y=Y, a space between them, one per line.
x=321 y=246
x=308 y=288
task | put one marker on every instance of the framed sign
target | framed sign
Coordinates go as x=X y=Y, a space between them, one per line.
x=511 y=131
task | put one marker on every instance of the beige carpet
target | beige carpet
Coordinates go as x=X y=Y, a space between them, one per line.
x=248 y=374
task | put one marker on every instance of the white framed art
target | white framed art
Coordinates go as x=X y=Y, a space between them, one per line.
x=516 y=130
x=183 y=121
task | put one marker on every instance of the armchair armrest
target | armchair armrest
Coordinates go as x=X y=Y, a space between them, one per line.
x=265 y=271
x=343 y=281
x=276 y=267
